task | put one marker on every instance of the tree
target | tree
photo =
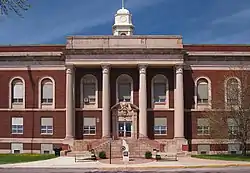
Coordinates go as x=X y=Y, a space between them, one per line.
x=16 y=6
x=233 y=121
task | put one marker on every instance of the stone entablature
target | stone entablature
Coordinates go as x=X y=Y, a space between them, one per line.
x=109 y=42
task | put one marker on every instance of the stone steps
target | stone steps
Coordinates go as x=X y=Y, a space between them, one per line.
x=137 y=147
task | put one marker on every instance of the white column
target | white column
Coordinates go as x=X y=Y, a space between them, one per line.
x=69 y=103
x=142 y=101
x=105 y=102
x=179 y=103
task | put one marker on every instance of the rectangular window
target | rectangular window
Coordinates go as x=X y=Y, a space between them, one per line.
x=89 y=126
x=159 y=92
x=47 y=126
x=47 y=93
x=17 y=94
x=17 y=125
x=202 y=93
x=160 y=126
x=89 y=91
x=203 y=127
x=124 y=92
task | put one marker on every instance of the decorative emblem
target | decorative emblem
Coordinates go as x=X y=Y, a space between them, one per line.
x=125 y=110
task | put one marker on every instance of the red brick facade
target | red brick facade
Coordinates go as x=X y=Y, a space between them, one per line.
x=32 y=114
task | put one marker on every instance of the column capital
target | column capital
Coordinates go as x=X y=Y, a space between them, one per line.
x=70 y=69
x=179 y=68
x=142 y=68
x=105 y=68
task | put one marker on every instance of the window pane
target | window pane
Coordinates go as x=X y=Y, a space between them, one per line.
x=124 y=91
x=232 y=91
x=202 y=91
x=18 y=90
x=159 y=92
x=89 y=91
x=47 y=90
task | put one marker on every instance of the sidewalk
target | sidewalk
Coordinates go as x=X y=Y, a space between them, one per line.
x=183 y=162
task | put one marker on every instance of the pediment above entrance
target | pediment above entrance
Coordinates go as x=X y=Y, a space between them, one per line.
x=124 y=109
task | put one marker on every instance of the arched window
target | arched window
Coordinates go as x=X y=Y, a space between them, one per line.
x=160 y=90
x=89 y=91
x=202 y=91
x=47 y=92
x=232 y=91
x=17 y=93
x=124 y=88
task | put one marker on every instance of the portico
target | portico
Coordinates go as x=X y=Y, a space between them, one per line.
x=123 y=53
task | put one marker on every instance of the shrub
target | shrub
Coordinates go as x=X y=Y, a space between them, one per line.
x=148 y=155
x=102 y=155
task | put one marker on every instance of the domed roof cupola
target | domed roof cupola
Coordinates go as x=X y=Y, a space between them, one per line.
x=123 y=22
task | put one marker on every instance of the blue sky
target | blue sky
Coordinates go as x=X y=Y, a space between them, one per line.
x=198 y=21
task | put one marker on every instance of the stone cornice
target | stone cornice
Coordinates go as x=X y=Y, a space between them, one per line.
x=32 y=58
x=122 y=51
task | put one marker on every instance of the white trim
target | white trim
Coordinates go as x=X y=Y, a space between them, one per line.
x=6 y=151
x=209 y=105
x=123 y=62
x=10 y=93
x=218 y=67
x=37 y=110
x=225 y=90
x=219 y=53
x=31 y=53
x=42 y=67
x=30 y=140
x=166 y=105
x=131 y=85
x=40 y=106
x=215 y=141
x=83 y=106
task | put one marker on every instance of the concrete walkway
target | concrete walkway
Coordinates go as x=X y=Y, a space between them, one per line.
x=69 y=162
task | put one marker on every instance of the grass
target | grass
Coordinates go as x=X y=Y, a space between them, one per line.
x=227 y=157
x=18 y=158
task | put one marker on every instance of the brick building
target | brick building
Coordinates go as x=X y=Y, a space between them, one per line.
x=147 y=89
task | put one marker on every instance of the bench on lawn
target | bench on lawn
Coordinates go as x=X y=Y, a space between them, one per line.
x=167 y=156
x=85 y=156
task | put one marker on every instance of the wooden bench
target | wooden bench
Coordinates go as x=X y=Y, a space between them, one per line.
x=86 y=156
x=167 y=156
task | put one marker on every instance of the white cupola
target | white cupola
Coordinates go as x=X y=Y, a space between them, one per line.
x=123 y=22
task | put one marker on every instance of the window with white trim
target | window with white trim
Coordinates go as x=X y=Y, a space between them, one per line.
x=89 y=126
x=17 y=125
x=89 y=90
x=17 y=92
x=47 y=92
x=160 y=126
x=160 y=87
x=203 y=127
x=202 y=91
x=124 y=88
x=46 y=126
x=232 y=92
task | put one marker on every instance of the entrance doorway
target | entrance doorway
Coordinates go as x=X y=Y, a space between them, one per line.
x=125 y=129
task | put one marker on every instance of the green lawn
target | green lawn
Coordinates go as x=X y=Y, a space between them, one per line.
x=18 y=158
x=224 y=157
